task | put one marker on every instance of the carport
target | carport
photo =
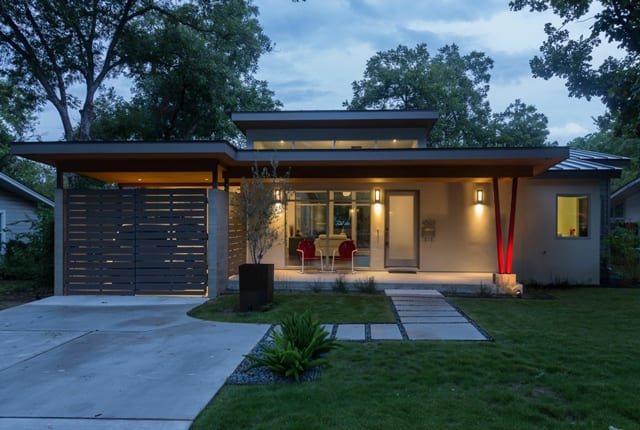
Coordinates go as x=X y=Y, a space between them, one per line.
x=163 y=228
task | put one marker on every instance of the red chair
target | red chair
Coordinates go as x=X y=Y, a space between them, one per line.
x=307 y=251
x=346 y=252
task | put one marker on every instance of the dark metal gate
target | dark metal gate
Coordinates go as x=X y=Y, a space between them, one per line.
x=136 y=241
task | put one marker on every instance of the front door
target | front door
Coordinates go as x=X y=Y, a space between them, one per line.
x=401 y=229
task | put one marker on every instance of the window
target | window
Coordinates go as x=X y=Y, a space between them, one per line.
x=572 y=216
x=275 y=144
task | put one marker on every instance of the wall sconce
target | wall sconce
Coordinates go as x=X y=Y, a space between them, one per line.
x=479 y=196
x=277 y=194
x=376 y=195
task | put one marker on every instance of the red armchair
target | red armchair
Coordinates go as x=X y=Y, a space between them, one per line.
x=346 y=252
x=307 y=252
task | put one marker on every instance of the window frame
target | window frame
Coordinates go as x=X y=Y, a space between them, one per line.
x=588 y=212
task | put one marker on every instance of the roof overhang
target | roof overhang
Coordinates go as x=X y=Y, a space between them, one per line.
x=185 y=163
x=195 y=162
x=13 y=186
x=336 y=119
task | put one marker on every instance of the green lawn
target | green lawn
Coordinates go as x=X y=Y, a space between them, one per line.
x=572 y=363
x=327 y=308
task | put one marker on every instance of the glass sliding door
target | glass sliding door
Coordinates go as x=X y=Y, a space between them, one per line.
x=328 y=218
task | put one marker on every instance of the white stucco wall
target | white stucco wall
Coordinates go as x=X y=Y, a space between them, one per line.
x=465 y=238
x=538 y=254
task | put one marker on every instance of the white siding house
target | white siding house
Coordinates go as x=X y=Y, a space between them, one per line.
x=18 y=205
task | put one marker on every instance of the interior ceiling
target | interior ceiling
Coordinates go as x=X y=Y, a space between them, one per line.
x=153 y=178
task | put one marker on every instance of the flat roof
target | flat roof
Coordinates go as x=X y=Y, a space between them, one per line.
x=328 y=119
x=193 y=162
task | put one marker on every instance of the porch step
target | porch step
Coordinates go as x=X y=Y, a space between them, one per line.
x=442 y=282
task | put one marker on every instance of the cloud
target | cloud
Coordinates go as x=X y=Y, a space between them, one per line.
x=569 y=130
x=505 y=31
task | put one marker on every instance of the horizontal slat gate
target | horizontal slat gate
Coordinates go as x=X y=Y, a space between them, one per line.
x=150 y=242
x=171 y=241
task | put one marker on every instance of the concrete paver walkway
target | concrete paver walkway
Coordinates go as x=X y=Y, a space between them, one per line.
x=423 y=315
x=119 y=363
x=426 y=315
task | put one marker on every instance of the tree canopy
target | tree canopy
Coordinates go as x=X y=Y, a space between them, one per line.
x=616 y=81
x=186 y=80
x=16 y=118
x=606 y=141
x=454 y=85
x=50 y=46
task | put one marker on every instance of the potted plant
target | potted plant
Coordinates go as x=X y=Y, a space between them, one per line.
x=259 y=204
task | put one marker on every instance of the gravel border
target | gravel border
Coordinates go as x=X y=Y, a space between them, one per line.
x=263 y=375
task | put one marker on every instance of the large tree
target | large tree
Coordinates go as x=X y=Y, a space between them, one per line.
x=606 y=141
x=454 y=85
x=186 y=80
x=17 y=110
x=521 y=125
x=616 y=81
x=52 y=45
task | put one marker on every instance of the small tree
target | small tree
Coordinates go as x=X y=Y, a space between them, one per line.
x=257 y=204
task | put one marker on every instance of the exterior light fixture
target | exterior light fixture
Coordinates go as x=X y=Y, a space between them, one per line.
x=480 y=196
x=376 y=195
x=277 y=194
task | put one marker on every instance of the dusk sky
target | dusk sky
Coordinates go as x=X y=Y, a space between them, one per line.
x=322 y=46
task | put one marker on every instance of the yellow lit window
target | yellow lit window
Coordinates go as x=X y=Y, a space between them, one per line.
x=572 y=216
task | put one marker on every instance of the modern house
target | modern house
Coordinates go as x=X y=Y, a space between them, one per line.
x=625 y=202
x=367 y=176
x=18 y=206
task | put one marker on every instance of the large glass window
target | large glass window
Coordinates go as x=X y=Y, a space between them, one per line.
x=572 y=216
x=329 y=218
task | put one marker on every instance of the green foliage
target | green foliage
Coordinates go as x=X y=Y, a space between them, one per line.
x=30 y=255
x=188 y=78
x=168 y=47
x=624 y=244
x=606 y=141
x=454 y=85
x=616 y=81
x=340 y=285
x=256 y=203
x=296 y=347
x=521 y=125
x=367 y=285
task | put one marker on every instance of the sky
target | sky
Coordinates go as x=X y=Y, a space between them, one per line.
x=322 y=46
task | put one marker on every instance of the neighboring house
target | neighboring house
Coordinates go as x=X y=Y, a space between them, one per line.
x=18 y=205
x=625 y=203
x=369 y=176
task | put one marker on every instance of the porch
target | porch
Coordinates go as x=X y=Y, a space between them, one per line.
x=459 y=283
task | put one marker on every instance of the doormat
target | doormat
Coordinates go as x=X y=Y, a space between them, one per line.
x=402 y=271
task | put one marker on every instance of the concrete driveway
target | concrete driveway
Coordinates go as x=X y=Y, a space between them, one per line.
x=117 y=363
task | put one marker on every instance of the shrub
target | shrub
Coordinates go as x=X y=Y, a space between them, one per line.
x=296 y=348
x=30 y=255
x=340 y=286
x=367 y=285
x=625 y=258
